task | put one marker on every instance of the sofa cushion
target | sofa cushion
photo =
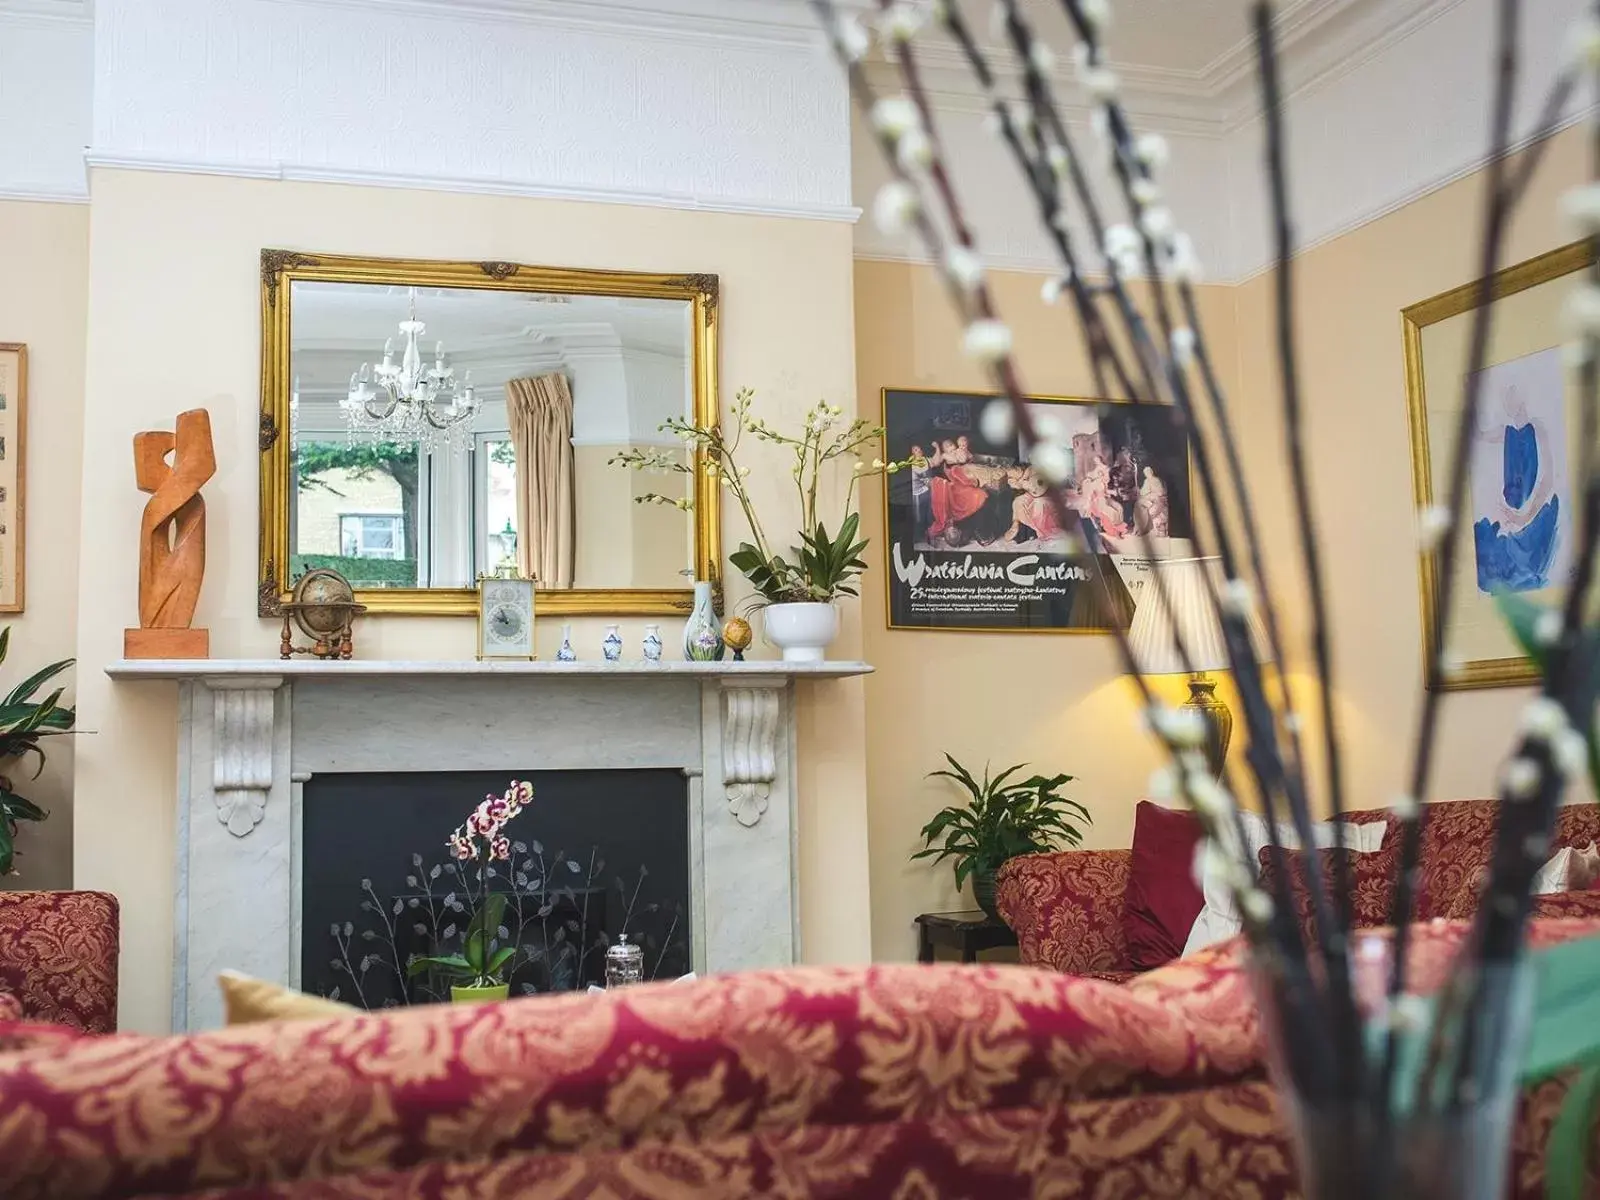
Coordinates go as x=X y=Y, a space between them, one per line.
x=1372 y=883
x=247 y=1001
x=1163 y=898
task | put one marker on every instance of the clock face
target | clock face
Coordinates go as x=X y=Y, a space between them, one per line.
x=506 y=623
x=507 y=619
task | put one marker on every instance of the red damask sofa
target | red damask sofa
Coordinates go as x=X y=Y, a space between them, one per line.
x=58 y=959
x=889 y=1083
x=1066 y=908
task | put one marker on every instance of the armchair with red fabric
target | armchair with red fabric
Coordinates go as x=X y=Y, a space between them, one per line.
x=894 y=1081
x=58 y=959
x=1066 y=908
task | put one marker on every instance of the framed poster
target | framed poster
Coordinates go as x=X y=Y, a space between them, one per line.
x=13 y=430
x=972 y=541
x=1519 y=533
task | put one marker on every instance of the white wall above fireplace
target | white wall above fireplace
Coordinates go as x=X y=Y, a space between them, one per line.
x=252 y=733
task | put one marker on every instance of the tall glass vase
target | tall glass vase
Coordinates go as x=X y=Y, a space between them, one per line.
x=1442 y=1142
x=702 y=634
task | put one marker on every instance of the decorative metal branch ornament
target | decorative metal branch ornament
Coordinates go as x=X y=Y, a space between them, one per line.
x=1392 y=1100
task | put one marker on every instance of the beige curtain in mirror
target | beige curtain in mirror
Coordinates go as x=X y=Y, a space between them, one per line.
x=540 y=411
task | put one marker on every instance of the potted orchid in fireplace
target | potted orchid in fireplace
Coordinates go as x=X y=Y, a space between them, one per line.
x=480 y=972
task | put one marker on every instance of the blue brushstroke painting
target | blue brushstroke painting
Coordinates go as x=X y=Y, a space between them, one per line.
x=1521 y=464
x=1519 y=561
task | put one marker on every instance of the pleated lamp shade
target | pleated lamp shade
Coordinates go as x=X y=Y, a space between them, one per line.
x=1184 y=591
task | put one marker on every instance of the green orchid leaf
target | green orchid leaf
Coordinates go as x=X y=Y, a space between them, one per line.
x=450 y=964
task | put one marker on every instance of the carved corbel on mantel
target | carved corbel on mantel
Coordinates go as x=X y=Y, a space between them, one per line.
x=241 y=732
x=750 y=746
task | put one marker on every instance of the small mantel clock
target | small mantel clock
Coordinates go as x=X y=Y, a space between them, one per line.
x=505 y=618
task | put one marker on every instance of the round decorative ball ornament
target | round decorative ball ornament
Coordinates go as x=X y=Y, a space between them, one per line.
x=323 y=606
x=738 y=635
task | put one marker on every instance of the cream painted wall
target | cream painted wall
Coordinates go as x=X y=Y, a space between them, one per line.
x=178 y=254
x=1352 y=290
x=44 y=276
x=1059 y=701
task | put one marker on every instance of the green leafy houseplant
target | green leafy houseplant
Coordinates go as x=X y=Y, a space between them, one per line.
x=824 y=566
x=24 y=724
x=1000 y=820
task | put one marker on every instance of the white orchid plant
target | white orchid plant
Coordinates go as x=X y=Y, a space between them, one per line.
x=824 y=566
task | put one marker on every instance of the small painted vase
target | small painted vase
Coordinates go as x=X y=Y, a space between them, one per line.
x=566 y=653
x=702 y=633
x=652 y=643
x=613 y=643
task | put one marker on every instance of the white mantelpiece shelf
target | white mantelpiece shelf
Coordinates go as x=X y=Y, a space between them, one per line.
x=223 y=668
x=254 y=733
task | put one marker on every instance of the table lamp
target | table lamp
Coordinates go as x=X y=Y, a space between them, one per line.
x=1183 y=590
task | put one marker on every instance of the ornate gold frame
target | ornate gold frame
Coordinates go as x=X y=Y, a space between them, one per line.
x=280 y=268
x=1488 y=672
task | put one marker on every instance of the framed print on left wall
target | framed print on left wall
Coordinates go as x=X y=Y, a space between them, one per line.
x=13 y=430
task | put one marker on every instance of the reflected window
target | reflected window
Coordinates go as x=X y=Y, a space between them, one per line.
x=355 y=510
x=495 y=500
x=363 y=535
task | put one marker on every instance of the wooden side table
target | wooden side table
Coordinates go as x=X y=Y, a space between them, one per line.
x=968 y=932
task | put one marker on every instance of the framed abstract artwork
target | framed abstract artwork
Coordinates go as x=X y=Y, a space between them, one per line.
x=13 y=430
x=1519 y=532
x=972 y=542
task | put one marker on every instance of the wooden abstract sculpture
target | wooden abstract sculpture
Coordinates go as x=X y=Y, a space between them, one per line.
x=172 y=538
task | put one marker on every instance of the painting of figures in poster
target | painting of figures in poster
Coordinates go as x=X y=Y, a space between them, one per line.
x=974 y=539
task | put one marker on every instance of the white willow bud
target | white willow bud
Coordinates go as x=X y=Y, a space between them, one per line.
x=1520 y=778
x=1181 y=263
x=998 y=422
x=988 y=341
x=853 y=38
x=1543 y=719
x=914 y=150
x=1097 y=13
x=1581 y=206
x=1237 y=598
x=1583 y=43
x=1151 y=149
x=902 y=22
x=1145 y=190
x=965 y=267
x=1570 y=753
x=1123 y=241
x=895 y=207
x=1183 y=343
x=1582 y=310
x=1051 y=463
x=1050 y=291
x=1163 y=785
x=1256 y=906
x=894 y=115
x=1406 y=807
x=1157 y=222
x=1433 y=523
x=1100 y=83
x=1042 y=57
x=1547 y=627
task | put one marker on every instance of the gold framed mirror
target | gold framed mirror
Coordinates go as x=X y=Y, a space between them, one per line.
x=424 y=423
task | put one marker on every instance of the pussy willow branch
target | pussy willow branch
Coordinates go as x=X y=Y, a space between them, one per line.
x=1334 y=938
x=1258 y=711
x=1270 y=771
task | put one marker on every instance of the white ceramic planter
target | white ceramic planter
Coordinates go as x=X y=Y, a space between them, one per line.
x=802 y=631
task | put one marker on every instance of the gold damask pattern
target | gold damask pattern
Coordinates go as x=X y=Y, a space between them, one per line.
x=58 y=957
x=1066 y=909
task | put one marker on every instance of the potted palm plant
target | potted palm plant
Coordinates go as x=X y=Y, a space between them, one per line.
x=1000 y=819
x=24 y=724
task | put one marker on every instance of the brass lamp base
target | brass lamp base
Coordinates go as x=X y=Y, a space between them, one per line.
x=1215 y=718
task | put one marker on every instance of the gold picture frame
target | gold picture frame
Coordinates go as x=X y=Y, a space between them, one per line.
x=280 y=269
x=13 y=475
x=1534 y=330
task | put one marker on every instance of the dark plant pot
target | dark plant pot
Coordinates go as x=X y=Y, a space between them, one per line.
x=983 y=890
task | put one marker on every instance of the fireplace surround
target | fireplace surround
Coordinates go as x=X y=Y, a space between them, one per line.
x=253 y=733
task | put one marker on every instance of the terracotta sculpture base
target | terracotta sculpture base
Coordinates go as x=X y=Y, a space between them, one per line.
x=166 y=643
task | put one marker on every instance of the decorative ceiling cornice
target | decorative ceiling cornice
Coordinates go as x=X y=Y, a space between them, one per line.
x=65 y=12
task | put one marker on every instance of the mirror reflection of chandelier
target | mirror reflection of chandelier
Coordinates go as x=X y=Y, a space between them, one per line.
x=411 y=401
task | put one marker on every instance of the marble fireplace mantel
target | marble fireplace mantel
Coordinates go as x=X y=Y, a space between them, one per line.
x=252 y=732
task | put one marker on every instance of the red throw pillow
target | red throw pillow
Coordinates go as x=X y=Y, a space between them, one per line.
x=1372 y=881
x=1163 y=899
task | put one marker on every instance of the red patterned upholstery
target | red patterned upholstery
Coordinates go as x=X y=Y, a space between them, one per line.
x=58 y=957
x=10 y=1007
x=1371 y=877
x=1066 y=909
x=900 y=1082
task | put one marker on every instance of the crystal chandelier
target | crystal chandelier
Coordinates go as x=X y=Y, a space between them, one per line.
x=410 y=401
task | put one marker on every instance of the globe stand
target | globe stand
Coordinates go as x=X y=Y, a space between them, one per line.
x=324 y=607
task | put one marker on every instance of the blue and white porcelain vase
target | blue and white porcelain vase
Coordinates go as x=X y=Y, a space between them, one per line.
x=566 y=653
x=613 y=643
x=652 y=643
x=702 y=634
